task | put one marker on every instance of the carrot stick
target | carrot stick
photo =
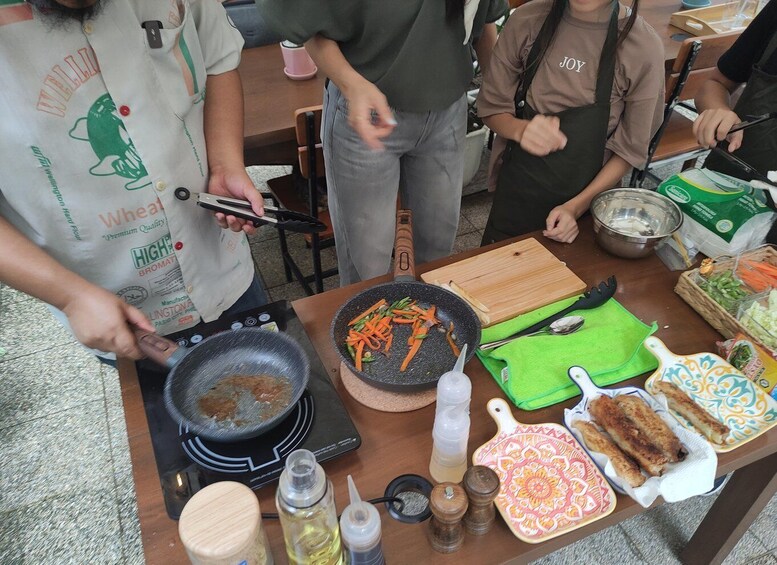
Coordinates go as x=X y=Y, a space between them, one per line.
x=410 y=354
x=388 y=343
x=454 y=347
x=449 y=337
x=403 y=320
x=359 y=351
x=753 y=280
x=369 y=311
x=766 y=268
x=404 y=312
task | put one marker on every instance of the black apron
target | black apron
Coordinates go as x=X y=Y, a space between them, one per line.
x=529 y=187
x=759 y=144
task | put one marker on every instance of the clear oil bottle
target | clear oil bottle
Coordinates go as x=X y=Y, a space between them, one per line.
x=306 y=507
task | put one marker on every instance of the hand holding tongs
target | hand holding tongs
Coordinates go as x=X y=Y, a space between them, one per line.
x=284 y=219
x=736 y=161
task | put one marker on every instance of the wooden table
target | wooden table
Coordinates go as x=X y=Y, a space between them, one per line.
x=271 y=99
x=393 y=444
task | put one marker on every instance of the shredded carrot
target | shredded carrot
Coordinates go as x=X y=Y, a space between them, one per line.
x=766 y=268
x=369 y=311
x=454 y=347
x=410 y=354
x=359 y=351
x=376 y=326
x=449 y=337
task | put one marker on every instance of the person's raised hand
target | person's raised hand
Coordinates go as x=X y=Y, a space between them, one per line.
x=369 y=113
x=561 y=225
x=542 y=136
x=713 y=126
x=103 y=321
x=234 y=182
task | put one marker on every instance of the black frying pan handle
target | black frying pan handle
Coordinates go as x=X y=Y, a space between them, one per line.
x=161 y=350
x=404 y=259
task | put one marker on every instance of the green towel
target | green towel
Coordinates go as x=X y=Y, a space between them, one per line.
x=533 y=371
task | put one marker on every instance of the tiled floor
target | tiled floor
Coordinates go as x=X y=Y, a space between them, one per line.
x=66 y=490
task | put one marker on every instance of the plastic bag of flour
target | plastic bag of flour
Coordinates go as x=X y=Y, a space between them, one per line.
x=723 y=215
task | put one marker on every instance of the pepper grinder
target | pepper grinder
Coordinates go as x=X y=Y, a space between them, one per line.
x=482 y=485
x=448 y=503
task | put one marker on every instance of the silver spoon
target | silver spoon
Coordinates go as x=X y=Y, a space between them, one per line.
x=562 y=326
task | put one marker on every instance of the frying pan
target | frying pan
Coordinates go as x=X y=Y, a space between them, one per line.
x=195 y=371
x=435 y=356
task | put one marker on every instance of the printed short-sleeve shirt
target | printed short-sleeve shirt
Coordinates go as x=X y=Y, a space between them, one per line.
x=98 y=127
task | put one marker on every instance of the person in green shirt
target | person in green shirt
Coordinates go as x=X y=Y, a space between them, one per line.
x=394 y=115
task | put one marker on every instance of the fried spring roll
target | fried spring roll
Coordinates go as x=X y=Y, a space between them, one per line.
x=625 y=467
x=681 y=403
x=652 y=425
x=627 y=436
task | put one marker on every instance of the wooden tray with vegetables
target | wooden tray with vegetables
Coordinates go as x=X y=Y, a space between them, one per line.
x=736 y=294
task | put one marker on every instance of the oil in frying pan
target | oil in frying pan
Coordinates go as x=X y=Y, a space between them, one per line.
x=238 y=400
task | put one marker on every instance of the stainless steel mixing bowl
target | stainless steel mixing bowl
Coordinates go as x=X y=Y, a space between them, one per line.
x=630 y=222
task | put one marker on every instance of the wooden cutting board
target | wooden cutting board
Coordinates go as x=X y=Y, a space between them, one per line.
x=511 y=280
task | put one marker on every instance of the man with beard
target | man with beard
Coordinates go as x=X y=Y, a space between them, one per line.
x=103 y=114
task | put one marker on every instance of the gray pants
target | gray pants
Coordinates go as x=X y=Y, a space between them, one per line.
x=422 y=160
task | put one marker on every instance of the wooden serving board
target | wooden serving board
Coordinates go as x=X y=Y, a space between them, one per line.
x=710 y=20
x=715 y=385
x=511 y=280
x=548 y=484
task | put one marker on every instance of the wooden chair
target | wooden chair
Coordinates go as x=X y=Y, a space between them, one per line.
x=695 y=63
x=284 y=190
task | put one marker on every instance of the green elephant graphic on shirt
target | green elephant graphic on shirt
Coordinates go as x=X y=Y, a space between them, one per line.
x=103 y=129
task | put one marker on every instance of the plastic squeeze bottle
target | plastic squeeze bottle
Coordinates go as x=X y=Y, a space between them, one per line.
x=454 y=387
x=449 y=453
x=360 y=528
x=306 y=507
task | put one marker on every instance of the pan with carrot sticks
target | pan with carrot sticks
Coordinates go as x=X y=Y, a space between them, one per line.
x=403 y=335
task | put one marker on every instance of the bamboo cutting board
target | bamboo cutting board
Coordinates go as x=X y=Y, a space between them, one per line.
x=511 y=280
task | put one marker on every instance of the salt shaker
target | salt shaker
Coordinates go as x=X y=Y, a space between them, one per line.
x=449 y=503
x=481 y=485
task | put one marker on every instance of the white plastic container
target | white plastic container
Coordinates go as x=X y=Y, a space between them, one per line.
x=360 y=529
x=449 y=454
x=454 y=389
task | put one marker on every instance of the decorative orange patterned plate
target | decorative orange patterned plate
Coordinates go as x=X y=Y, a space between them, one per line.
x=549 y=484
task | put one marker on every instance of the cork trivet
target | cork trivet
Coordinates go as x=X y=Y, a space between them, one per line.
x=384 y=400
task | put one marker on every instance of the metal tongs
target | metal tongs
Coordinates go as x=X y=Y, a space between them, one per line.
x=284 y=219
x=736 y=161
x=752 y=121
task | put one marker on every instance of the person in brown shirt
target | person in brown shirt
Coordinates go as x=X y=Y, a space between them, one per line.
x=575 y=88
